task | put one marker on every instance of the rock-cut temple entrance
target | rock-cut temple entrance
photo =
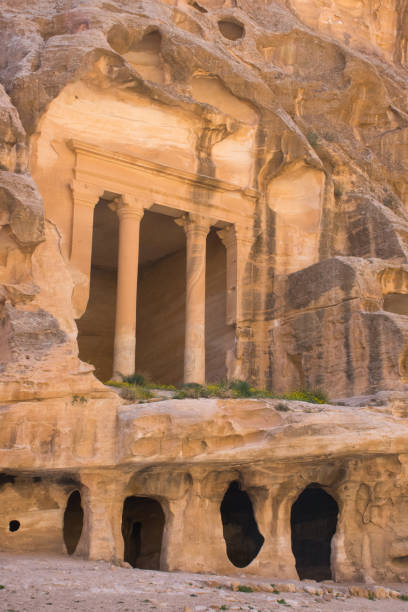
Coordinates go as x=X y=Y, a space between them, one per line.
x=313 y=523
x=161 y=322
x=156 y=249
x=142 y=530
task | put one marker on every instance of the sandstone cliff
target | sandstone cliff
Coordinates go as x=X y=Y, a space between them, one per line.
x=297 y=110
x=314 y=100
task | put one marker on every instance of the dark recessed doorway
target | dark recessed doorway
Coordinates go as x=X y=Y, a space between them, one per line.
x=73 y=522
x=242 y=537
x=313 y=524
x=142 y=530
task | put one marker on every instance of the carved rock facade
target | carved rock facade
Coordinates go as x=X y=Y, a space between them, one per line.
x=275 y=135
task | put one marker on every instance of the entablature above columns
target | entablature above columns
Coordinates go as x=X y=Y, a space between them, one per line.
x=153 y=183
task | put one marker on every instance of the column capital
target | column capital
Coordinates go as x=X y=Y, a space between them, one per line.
x=86 y=194
x=127 y=206
x=227 y=235
x=195 y=223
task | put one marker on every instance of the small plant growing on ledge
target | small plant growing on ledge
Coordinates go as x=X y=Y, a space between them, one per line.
x=241 y=388
x=242 y=588
x=134 y=379
x=137 y=388
x=282 y=407
x=312 y=138
x=79 y=399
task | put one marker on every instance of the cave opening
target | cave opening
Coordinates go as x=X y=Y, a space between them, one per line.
x=241 y=534
x=313 y=524
x=143 y=523
x=73 y=522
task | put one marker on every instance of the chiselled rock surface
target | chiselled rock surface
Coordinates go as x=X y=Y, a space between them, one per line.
x=186 y=454
x=277 y=132
x=303 y=103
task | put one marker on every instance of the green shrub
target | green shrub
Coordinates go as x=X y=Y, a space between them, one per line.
x=403 y=597
x=233 y=389
x=134 y=379
x=241 y=388
x=371 y=596
x=245 y=589
x=135 y=393
x=315 y=396
x=338 y=190
x=192 y=391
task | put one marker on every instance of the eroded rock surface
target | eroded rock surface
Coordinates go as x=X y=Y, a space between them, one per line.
x=281 y=125
x=304 y=103
x=183 y=456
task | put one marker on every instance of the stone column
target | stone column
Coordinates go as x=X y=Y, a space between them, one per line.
x=85 y=198
x=130 y=214
x=196 y=228
x=237 y=241
x=229 y=240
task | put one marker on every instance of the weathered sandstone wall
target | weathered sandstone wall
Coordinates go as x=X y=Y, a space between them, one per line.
x=303 y=102
x=184 y=454
x=286 y=119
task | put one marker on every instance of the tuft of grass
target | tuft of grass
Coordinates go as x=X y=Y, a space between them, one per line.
x=315 y=396
x=233 y=389
x=338 y=190
x=136 y=393
x=131 y=392
x=245 y=589
x=134 y=379
x=282 y=407
x=79 y=399
x=403 y=597
x=2 y=587
x=223 y=607
x=241 y=388
x=312 y=138
x=282 y=601
x=371 y=596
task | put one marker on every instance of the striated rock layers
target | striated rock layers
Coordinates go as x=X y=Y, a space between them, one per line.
x=275 y=135
x=210 y=485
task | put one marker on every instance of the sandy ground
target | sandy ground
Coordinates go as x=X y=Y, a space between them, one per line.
x=44 y=583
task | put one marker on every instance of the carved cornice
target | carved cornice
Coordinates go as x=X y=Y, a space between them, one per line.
x=197 y=180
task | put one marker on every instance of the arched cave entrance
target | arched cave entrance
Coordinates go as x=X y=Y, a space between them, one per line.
x=161 y=295
x=313 y=524
x=73 y=522
x=142 y=530
x=241 y=534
